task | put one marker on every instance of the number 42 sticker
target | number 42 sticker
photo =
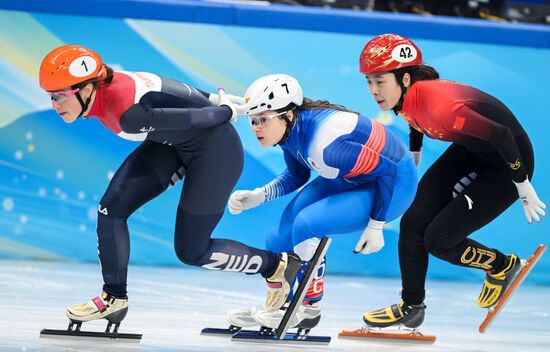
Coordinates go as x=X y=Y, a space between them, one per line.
x=404 y=53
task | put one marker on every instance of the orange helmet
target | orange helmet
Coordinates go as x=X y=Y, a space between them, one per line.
x=69 y=65
x=388 y=52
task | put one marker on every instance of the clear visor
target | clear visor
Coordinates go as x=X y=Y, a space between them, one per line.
x=61 y=96
x=264 y=117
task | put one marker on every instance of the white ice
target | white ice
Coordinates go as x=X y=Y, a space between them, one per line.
x=170 y=306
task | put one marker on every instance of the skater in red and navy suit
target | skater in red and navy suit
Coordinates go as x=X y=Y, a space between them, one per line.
x=183 y=131
x=487 y=167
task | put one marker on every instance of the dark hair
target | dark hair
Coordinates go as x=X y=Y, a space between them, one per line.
x=108 y=78
x=309 y=104
x=418 y=73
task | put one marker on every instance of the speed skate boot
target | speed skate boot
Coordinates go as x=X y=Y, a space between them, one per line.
x=496 y=283
x=105 y=306
x=279 y=284
x=409 y=315
x=242 y=317
x=307 y=316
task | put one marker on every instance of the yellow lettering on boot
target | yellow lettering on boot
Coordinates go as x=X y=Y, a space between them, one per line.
x=479 y=258
x=465 y=259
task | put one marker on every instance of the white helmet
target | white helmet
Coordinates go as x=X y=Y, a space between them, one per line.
x=273 y=92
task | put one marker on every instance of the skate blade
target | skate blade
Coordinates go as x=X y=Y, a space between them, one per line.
x=289 y=338
x=394 y=336
x=223 y=332
x=69 y=334
x=527 y=266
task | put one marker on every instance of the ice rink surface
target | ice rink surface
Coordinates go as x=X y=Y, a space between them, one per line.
x=170 y=306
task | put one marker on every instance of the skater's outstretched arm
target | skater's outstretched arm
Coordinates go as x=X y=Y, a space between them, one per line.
x=502 y=138
x=293 y=177
x=143 y=118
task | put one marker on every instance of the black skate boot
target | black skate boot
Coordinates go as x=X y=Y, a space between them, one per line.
x=409 y=315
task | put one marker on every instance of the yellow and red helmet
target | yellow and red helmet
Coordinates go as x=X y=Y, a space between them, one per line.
x=69 y=65
x=388 y=52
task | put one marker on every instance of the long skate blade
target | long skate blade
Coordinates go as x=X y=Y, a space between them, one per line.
x=493 y=311
x=289 y=338
x=48 y=333
x=302 y=288
x=222 y=332
x=410 y=336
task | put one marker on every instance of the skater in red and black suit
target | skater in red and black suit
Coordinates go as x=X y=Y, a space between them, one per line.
x=488 y=165
x=183 y=131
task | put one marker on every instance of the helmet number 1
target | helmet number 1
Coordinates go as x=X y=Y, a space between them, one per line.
x=83 y=66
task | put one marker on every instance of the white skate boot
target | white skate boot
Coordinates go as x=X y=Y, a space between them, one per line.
x=242 y=317
x=307 y=317
x=105 y=306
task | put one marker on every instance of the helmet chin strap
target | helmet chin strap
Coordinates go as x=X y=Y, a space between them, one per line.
x=83 y=104
x=289 y=126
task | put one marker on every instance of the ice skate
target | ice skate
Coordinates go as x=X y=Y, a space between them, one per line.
x=524 y=267
x=100 y=307
x=107 y=307
x=496 y=283
x=278 y=320
x=279 y=284
x=239 y=319
x=410 y=316
x=242 y=317
x=307 y=317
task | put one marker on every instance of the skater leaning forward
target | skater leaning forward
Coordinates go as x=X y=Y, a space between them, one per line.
x=366 y=177
x=488 y=165
x=183 y=131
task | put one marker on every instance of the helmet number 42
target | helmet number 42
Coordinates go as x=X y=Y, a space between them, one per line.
x=404 y=53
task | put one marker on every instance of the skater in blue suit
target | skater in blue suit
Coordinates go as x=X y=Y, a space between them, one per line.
x=366 y=177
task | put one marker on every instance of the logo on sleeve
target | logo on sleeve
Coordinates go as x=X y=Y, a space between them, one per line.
x=147 y=130
x=515 y=166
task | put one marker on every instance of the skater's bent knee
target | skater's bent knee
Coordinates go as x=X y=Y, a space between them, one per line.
x=189 y=257
x=436 y=240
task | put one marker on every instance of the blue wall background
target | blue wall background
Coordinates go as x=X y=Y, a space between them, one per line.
x=53 y=174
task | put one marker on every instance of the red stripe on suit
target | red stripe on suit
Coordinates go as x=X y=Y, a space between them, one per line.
x=370 y=151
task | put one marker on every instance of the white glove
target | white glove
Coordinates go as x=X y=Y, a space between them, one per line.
x=417 y=156
x=532 y=206
x=244 y=200
x=237 y=109
x=372 y=239
x=215 y=99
